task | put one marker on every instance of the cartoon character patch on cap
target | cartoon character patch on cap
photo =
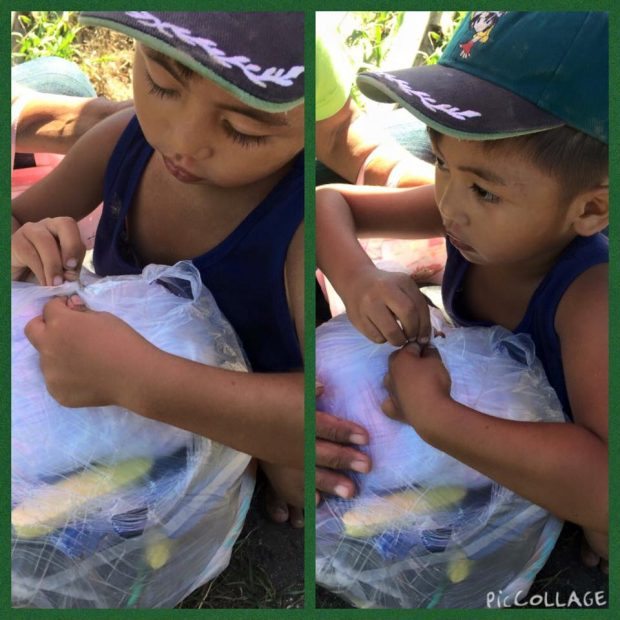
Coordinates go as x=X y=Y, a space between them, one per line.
x=481 y=22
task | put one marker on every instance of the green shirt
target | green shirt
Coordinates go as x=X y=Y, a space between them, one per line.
x=334 y=75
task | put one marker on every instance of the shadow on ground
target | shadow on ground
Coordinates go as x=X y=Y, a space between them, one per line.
x=562 y=575
x=266 y=568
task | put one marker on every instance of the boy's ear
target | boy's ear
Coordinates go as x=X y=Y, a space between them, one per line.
x=591 y=211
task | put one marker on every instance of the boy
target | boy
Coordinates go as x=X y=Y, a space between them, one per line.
x=210 y=169
x=521 y=195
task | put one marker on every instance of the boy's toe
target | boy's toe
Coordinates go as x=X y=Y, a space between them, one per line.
x=276 y=508
x=588 y=556
x=296 y=516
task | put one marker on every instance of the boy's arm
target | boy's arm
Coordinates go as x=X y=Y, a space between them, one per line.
x=294 y=278
x=344 y=213
x=45 y=238
x=94 y=359
x=382 y=305
x=75 y=187
x=562 y=467
x=260 y=414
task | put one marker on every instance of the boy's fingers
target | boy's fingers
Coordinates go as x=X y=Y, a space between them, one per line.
x=370 y=330
x=54 y=307
x=389 y=408
x=405 y=309
x=424 y=323
x=71 y=276
x=386 y=323
x=46 y=247
x=29 y=256
x=431 y=351
x=71 y=245
x=332 y=428
x=75 y=302
x=413 y=348
x=34 y=330
x=421 y=325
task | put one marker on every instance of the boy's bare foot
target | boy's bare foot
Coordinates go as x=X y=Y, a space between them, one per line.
x=281 y=512
x=589 y=555
x=284 y=496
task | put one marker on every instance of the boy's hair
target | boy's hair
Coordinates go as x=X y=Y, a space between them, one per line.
x=577 y=161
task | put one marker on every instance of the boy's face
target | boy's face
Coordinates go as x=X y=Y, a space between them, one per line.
x=204 y=134
x=498 y=209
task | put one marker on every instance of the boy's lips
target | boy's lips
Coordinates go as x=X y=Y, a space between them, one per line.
x=457 y=243
x=180 y=173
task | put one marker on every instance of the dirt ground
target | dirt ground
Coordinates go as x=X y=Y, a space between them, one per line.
x=107 y=58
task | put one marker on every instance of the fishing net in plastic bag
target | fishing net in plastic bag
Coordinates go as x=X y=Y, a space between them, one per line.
x=425 y=529
x=110 y=509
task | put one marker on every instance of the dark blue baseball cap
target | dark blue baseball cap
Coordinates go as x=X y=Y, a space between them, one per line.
x=506 y=74
x=257 y=57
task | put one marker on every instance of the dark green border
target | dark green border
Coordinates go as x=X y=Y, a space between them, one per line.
x=5 y=345
x=310 y=6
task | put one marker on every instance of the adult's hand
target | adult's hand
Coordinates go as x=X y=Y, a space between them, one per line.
x=336 y=452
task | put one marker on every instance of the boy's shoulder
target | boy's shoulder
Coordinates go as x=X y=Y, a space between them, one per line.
x=582 y=327
x=582 y=274
x=107 y=132
x=585 y=299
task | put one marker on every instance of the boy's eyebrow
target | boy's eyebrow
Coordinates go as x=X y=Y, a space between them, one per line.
x=179 y=71
x=483 y=173
x=268 y=118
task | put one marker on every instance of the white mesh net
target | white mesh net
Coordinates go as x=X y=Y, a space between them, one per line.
x=425 y=529
x=110 y=509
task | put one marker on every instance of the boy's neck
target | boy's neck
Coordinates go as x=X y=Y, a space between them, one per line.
x=511 y=285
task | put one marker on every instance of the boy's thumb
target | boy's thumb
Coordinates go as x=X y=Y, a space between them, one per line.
x=413 y=348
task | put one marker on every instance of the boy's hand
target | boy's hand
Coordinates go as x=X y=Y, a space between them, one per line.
x=417 y=383
x=377 y=301
x=51 y=249
x=88 y=358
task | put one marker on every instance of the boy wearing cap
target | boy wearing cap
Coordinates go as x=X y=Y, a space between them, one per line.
x=210 y=169
x=519 y=129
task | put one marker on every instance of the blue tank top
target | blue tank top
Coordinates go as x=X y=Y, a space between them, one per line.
x=539 y=320
x=245 y=272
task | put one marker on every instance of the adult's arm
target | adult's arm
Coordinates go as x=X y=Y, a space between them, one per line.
x=350 y=145
x=54 y=123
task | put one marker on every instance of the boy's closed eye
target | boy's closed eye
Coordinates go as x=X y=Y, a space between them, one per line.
x=238 y=137
x=243 y=139
x=160 y=91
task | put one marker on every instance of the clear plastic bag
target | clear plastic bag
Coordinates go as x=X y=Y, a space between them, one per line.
x=425 y=529
x=110 y=509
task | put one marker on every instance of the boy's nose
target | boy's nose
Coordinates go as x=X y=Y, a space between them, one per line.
x=189 y=153
x=451 y=208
